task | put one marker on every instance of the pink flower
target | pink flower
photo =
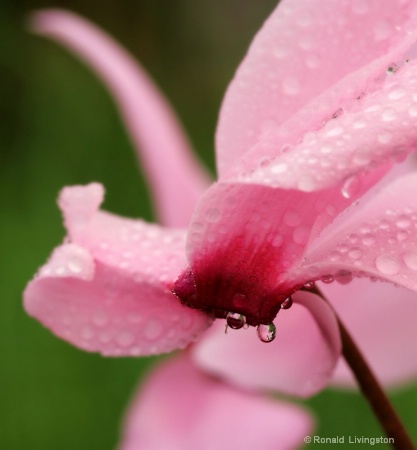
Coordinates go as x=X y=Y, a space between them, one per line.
x=180 y=407
x=310 y=124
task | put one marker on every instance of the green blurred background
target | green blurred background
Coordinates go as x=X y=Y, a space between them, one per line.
x=58 y=126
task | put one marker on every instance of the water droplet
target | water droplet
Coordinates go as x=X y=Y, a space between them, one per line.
x=309 y=285
x=387 y=264
x=152 y=329
x=291 y=86
x=412 y=110
x=235 y=320
x=344 y=277
x=355 y=253
x=278 y=168
x=361 y=157
x=100 y=318
x=327 y=279
x=389 y=115
x=351 y=187
x=292 y=218
x=125 y=338
x=287 y=303
x=397 y=93
x=410 y=259
x=213 y=215
x=266 y=332
x=312 y=61
x=403 y=222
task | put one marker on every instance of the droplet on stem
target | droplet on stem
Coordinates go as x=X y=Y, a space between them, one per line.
x=266 y=332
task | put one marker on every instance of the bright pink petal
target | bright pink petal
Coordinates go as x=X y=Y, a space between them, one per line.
x=376 y=238
x=300 y=361
x=304 y=48
x=179 y=408
x=108 y=289
x=381 y=319
x=176 y=178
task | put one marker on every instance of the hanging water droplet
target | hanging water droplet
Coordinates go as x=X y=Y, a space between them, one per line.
x=266 y=332
x=351 y=187
x=235 y=320
x=344 y=277
x=309 y=285
x=327 y=279
x=287 y=303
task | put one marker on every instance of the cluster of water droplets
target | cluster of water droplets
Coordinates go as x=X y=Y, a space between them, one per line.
x=378 y=129
x=266 y=331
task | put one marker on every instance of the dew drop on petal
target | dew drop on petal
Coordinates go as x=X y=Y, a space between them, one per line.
x=212 y=215
x=152 y=329
x=100 y=318
x=266 y=332
x=327 y=279
x=410 y=259
x=309 y=285
x=235 y=320
x=344 y=277
x=387 y=264
x=351 y=187
x=287 y=303
x=125 y=338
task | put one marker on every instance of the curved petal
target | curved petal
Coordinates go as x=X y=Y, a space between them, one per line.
x=300 y=361
x=303 y=49
x=180 y=408
x=176 y=178
x=381 y=319
x=297 y=195
x=243 y=242
x=108 y=288
x=376 y=239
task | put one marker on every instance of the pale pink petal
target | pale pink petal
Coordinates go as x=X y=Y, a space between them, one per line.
x=177 y=179
x=374 y=239
x=300 y=361
x=381 y=319
x=108 y=288
x=180 y=408
x=304 y=48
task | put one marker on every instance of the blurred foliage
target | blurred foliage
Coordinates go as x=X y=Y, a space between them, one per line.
x=58 y=126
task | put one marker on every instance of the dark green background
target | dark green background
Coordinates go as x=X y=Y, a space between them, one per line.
x=58 y=126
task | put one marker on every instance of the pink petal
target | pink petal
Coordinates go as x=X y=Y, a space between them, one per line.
x=375 y=238
x=179 y=408
x=299 y=361
x=177 y=179
x=297 y=194
x=303 y=49
x=381 y=319
x=108 y=289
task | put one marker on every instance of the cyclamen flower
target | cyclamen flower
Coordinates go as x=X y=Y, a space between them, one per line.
x=309 y=125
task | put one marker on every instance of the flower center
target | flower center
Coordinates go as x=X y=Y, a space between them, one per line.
x=239 y=300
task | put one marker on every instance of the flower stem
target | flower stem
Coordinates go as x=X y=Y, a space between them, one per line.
x=374 y=394
x=371 y=388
